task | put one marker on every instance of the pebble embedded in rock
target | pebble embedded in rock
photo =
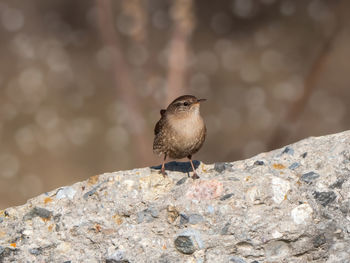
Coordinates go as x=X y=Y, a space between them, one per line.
x=226 y=196
x=302 y=214
x=37 y=211
x=325 y=198
x=259 y=162
x=319 y=240
x=181 y=181
x=309 y=177
x=111 y=260
x=288 y=150
x=147 y=215
x=66 y=192
x=237 y=260
x=185 y=245
x=194 y=219
x=345 y=207
x=338 y=184
x=183 y=219
x=35 y=251
x=294 y=166
x=224 y=230
x=220 y=167
x=280 y=188
x=172 y=213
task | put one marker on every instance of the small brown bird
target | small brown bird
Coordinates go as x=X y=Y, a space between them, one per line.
x=181 y=131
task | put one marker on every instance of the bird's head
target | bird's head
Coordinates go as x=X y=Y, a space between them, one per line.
x=185 y=104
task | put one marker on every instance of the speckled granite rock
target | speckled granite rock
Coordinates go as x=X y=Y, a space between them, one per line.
x=288 y=205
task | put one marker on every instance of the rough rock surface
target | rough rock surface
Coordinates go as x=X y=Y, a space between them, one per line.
x=288 y=205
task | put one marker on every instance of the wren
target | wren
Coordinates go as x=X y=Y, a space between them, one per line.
x=181 y=131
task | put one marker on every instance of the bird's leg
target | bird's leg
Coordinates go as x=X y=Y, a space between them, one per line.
x=195 y=175
x=163 y=167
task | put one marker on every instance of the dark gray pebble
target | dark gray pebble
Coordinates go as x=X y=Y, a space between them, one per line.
x=184 y=219
x=338 y=184
x=288 y=150
x=345 y=207
x=147 y=215
x=294 y=166
x=181 y=181
x=185 y=245
x=226 y=196
x=304 y=154
x=259 y=162
x=224 y=230
x=309 y=177
x=37 y=211
x=325 y=198
x=220 y=167
x=319 y=240
x=191 y=219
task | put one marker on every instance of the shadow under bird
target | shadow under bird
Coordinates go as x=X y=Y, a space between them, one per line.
x=181 y=131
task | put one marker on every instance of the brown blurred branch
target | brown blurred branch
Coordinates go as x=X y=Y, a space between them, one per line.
x=182 y=15
x=136 y=10
x=123 y=83
x=283 y=130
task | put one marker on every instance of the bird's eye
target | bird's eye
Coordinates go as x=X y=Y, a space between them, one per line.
x=186 y=103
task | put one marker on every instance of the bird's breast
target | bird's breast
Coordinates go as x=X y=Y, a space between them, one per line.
x=187 y=128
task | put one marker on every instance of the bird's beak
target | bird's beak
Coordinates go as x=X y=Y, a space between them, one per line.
x=198 y=101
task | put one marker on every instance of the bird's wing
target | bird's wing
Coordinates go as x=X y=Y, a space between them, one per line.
x=160 y=122
x=158 y=126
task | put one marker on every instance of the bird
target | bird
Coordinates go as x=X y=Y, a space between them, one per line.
x=181 y=131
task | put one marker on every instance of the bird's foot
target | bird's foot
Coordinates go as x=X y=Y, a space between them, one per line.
x=164 y=173
x=195 y=176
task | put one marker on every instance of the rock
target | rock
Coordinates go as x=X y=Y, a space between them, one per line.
x=181 y=181
x=192 y=219
x=259 y=162
x=66 y=192
x=237 y=260
x=301 y=214
x=37 y=211
x=185 y=245
x=195 y=219
x=226 y=196
x=324 y=198
x=288 y=150
x=280 y=188
x=221 y=167
x=338 y=183
x=288 y=205
x=309 y=177
x=293 y=166
x=172 y=213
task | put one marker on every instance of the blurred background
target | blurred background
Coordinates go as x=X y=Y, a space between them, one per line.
x=82 y=82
